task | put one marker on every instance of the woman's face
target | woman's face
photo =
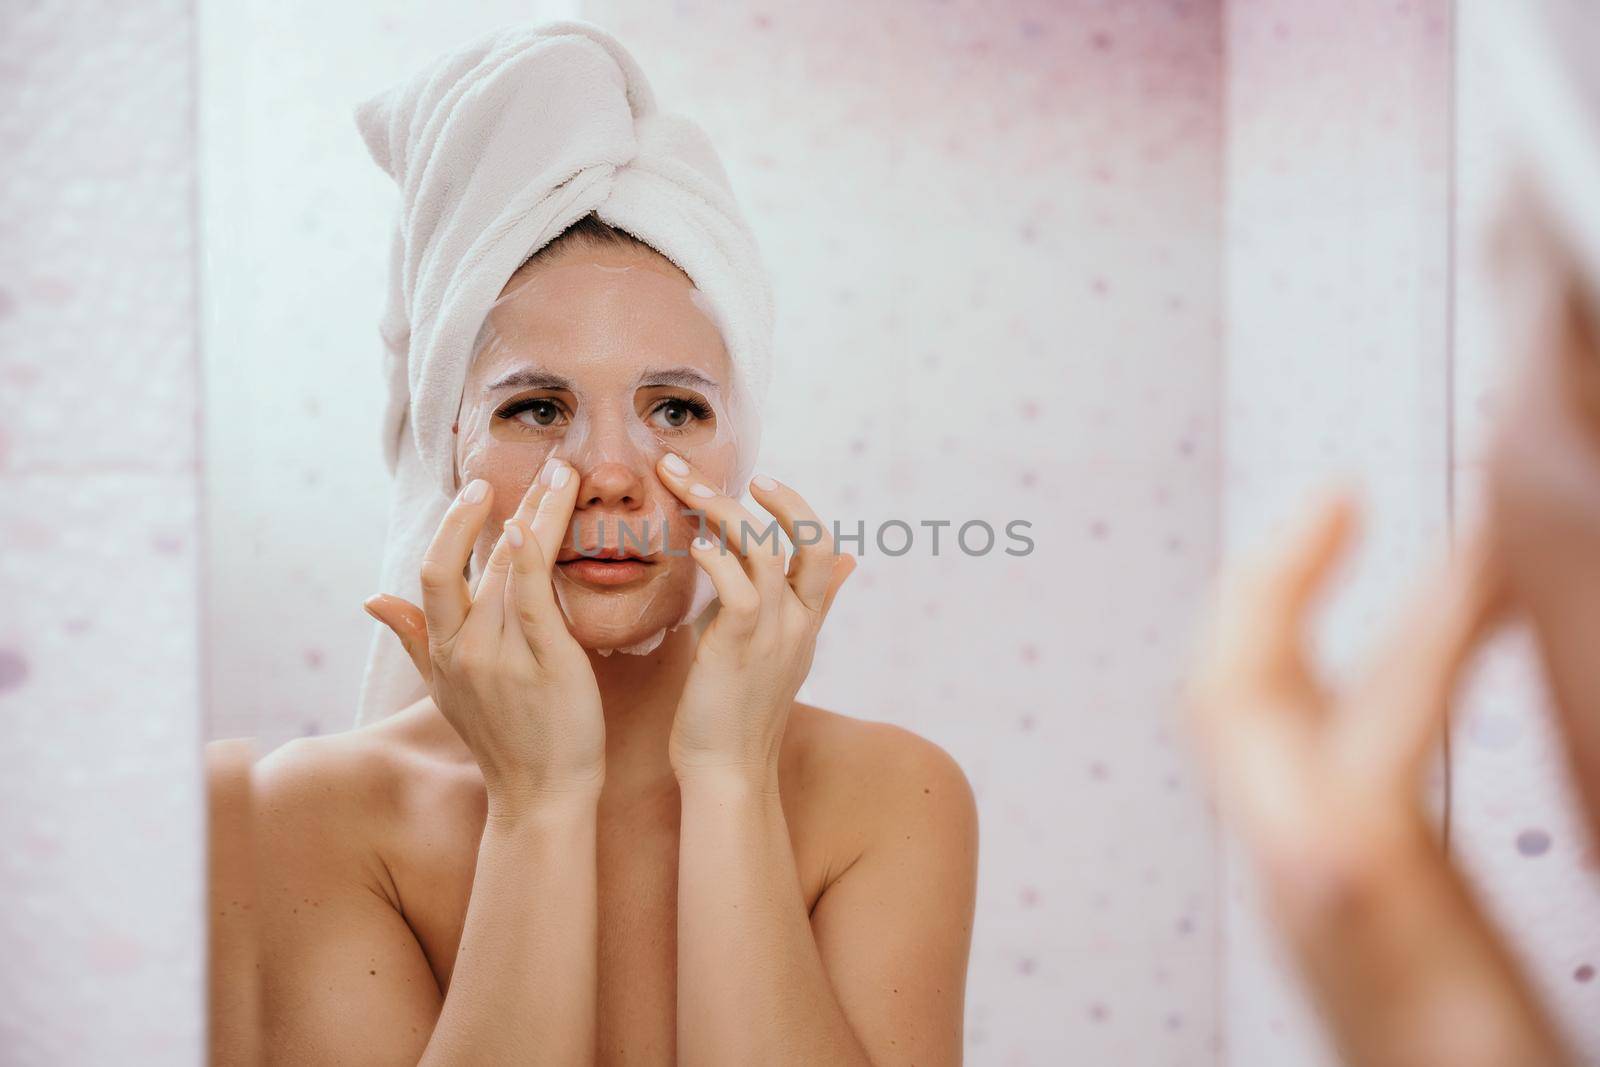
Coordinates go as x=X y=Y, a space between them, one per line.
x=604 y=358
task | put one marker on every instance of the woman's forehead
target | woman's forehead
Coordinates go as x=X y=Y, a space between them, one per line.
x=610 y=318
x=504 y=369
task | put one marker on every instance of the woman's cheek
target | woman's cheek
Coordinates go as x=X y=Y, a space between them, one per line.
x=719 y=466
x=509 y=470
x=508 y=494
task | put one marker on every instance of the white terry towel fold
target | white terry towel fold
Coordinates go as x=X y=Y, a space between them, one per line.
x=496 y=149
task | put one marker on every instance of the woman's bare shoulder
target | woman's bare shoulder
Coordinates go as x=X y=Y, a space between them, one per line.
x=328 y=768
x=342 y=787
x=873 y=767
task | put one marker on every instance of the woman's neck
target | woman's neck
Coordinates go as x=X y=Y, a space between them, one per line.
x=639 y=695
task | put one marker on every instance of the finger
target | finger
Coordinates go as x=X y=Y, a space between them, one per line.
x=538 y=489
x=741 y=603
x=1287 y=576
x=487 y=618
x=548 y=522
x=843 y=567
x=497 y=569
x=408 y=623
x=1263 y=608
x=445 y=596
x=530 y=500
x=757 y=545
x=1392 y=714
x=1252 y=648
x=811 y=571
x=532 y=597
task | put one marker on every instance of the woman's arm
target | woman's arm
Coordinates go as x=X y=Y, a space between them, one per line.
x=876 y=973
x=753 y=981
x=751 y=984
x=345 y=979
x=348 y=980
x=1402 y=963
x=523 y=989
x=233 y=987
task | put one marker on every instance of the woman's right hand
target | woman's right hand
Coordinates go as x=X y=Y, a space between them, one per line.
x=499 y=662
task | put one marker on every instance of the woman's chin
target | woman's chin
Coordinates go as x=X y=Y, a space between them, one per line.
x=622 y=618
x=608 y=635
x=630 y=640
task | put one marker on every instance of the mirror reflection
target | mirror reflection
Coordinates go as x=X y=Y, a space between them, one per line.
x=1051 y=533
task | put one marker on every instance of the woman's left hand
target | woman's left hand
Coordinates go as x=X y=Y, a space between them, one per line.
x=755 y=654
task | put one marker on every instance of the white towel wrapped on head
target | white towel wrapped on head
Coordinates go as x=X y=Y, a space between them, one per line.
x=497 y=148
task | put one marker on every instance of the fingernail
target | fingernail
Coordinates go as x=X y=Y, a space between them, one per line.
x=475 y=491
x=560 y=476
x=548 y=470
x=762 y=482
x=700 y=490
x=675 y=464
x=513 y=534
x=701 y=543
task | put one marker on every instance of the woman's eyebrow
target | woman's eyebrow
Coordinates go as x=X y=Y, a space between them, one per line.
x=683 y=377
x=529 y=379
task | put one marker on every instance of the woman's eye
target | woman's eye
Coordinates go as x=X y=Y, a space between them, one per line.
x=539 y=414
x=677 y=414
x=674 y=413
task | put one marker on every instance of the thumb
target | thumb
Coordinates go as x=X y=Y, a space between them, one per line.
x=409 y=624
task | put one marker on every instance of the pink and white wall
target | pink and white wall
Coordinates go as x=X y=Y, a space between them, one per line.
x=100 y=489
x=1139 y=274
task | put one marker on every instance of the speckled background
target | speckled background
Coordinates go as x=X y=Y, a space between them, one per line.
x=101 y=908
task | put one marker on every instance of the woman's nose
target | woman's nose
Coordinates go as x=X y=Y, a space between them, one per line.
x=611 y=484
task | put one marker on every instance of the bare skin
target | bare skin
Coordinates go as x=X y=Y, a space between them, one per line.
x=358 y=823
x=565 y=857
x=232 y=935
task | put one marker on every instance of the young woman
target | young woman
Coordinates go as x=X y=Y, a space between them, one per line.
x=566 y=856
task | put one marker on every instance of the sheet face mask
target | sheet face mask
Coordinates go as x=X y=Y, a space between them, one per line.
x=606 y=358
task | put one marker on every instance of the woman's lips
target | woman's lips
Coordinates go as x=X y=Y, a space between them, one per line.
x=605 y=571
